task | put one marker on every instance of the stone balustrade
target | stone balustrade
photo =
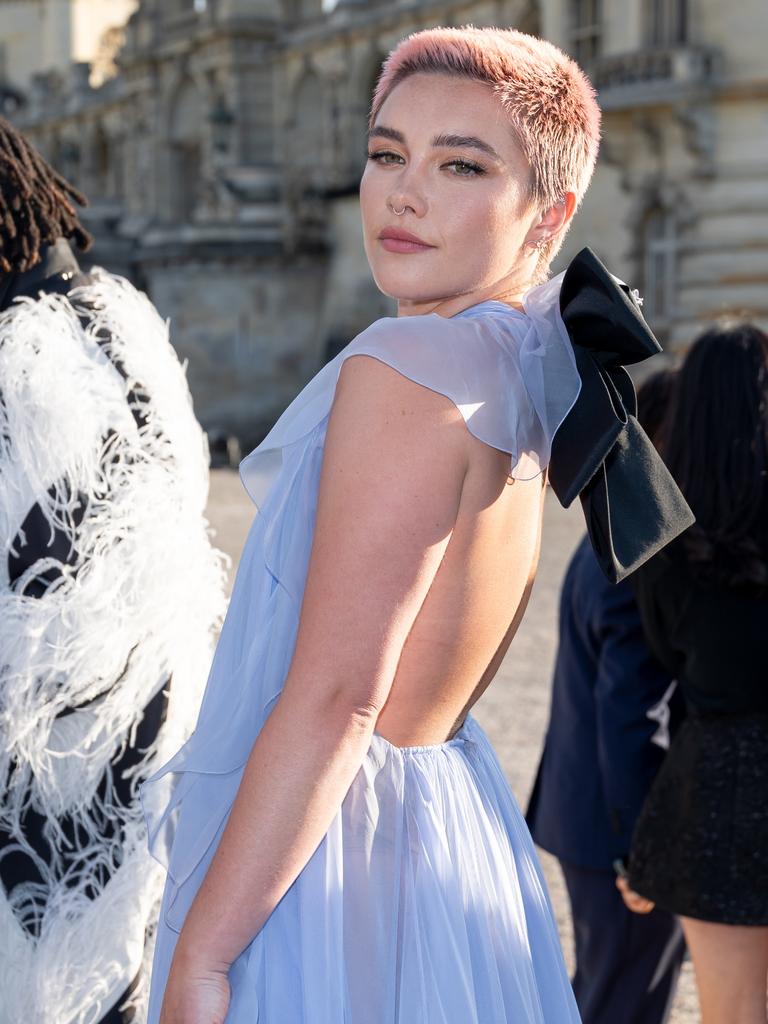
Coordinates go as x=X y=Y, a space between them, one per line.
x=651 y=76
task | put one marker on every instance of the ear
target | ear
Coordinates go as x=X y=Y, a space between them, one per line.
x=553 y=221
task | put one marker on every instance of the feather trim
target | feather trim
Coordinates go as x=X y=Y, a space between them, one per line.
x=97 y=430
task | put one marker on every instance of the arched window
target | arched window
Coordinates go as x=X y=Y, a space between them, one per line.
x=185 y=149
x=660 y=267
x=374 y=70
x=297 y=10
x=101 y=159
x=311 y=139
x=368 y=80
x=104 y=164
x=585 y=30
x=69 y=161
x=666 y=22
x=174 y=7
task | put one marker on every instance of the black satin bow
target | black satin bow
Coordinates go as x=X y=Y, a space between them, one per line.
x=632 y=506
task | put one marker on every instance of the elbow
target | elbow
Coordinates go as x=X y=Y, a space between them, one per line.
x=345 y=704
x=337 y=706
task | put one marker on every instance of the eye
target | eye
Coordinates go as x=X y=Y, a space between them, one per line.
x=461 y=168
x=385 y=156
x=465 y=169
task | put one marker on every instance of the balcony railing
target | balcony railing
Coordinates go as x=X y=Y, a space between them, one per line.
x=652 y=76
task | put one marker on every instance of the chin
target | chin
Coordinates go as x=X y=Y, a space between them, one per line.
x=402 y=287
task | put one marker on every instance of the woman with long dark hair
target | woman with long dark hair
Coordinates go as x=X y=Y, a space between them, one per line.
x=701 y=845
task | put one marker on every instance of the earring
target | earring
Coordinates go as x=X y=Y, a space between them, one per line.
x=539 y=244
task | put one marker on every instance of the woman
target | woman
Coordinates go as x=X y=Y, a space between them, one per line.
x=701 y=845
x=346 y=847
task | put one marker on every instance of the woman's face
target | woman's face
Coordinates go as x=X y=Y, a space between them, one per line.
x=442 y=150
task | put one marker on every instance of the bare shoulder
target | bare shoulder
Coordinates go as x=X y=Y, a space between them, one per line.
x=385 y=409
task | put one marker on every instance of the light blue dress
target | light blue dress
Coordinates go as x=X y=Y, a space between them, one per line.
x=424 y=903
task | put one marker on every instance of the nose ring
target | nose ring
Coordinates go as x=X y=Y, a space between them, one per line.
x=397 y=213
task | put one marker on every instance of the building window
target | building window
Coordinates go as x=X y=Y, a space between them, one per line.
x=585 y=30
x=11 y=99
x=298 y=10
x=666 y=22
x=660 y=262
x=186 y=124
x=173 y=8
x=311 y=131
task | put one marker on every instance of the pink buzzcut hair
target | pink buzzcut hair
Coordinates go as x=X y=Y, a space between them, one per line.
x=550 y=102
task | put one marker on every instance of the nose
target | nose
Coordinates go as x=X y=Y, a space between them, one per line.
x=408 y=196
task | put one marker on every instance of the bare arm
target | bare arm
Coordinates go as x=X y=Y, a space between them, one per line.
x=395 y=459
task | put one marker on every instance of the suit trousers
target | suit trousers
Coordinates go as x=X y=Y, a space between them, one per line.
x=627 y=964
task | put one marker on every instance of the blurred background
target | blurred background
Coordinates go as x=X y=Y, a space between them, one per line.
x=221 y=142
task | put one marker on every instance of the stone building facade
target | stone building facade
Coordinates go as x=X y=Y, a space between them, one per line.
x=680 y=198
x=223 y=152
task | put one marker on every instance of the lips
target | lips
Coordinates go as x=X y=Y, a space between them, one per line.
x=396 y=240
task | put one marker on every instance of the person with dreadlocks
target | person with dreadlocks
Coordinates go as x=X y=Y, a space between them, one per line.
x=37 y=210
x=109 y=588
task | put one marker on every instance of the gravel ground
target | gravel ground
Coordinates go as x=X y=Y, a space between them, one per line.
x=514 y=710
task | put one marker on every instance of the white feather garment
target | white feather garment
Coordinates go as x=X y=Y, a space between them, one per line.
x=140 y=603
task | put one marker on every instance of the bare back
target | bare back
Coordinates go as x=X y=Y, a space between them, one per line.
x=473 y=607
x=429 y=511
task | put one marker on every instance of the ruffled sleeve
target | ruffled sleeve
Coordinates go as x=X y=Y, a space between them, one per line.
x=511 y=375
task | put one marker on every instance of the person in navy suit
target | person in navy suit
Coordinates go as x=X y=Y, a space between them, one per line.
x=607 y=735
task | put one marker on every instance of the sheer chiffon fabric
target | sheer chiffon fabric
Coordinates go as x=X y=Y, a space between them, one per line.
x=424 y=903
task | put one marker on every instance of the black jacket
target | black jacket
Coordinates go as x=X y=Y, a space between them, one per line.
x=599 y=759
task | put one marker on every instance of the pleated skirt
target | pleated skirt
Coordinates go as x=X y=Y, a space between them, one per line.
x=424 y=904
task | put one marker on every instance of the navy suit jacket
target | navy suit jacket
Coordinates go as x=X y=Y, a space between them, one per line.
x=599 y=759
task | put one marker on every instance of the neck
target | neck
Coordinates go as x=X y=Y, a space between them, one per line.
x=510 y=291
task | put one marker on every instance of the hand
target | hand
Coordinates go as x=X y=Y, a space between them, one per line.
x=634 y=901
x=196 y=993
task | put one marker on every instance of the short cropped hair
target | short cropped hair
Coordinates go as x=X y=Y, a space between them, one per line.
x=550 y=102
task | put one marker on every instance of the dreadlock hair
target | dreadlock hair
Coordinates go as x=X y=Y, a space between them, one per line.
x=37 y=205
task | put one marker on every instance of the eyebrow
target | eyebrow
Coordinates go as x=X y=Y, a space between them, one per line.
x=452 y=141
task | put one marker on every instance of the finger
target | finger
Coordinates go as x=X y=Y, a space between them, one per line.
x=633 y=899
x=638 y=904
